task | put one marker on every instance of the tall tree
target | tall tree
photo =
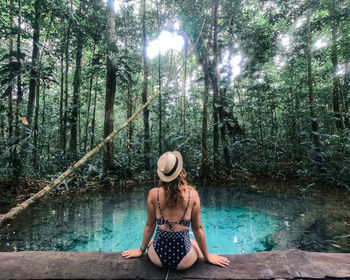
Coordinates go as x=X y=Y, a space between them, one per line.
x=66 y=79
x=214 y=81
x=336 y=80
x=159 y=86
x=76 y=88
x=314 y=123
x=10 y=100
x=204 y=164
x=16 y=161
x=147 y=143
x=183 y=89
x=89 y=99
x=108 y=154
x=35 y=56
x=93 y=122
x=62 y=136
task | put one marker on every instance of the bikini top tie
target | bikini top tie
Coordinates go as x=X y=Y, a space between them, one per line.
x=182 y=221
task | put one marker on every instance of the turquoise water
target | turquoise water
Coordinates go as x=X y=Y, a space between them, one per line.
x=229 y=230
x=235 y=221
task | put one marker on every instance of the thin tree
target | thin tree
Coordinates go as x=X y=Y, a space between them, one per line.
x=66 y=82
x=61 y=137
x=35 y=57
x=336 y=80
x=76 y=89
x=314 y=124
x=218 y=105
x=10 y=101
x=36 y=124
x=204 y=165
x=147 y=144
x=129 y=101
x=93 y=122
x=89 y=99
x=183 y=89
x=159 y=88
x=16 y=162
x=108 y=153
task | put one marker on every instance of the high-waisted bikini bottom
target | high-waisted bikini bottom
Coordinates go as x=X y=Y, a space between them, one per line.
x=171 y=246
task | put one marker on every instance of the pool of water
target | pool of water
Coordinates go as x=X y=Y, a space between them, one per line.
x=236 y=220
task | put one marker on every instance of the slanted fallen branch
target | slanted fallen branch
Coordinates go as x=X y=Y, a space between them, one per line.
x=19 y=208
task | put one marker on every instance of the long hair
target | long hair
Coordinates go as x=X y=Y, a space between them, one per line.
x=172 y=189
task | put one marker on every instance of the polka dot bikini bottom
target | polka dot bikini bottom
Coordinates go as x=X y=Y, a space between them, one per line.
x=171 y=246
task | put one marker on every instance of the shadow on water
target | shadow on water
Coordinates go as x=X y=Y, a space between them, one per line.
x=235 y=219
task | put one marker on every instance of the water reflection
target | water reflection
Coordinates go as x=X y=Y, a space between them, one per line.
x=236 y=220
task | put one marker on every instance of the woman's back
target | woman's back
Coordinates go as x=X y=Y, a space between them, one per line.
x=175 y=217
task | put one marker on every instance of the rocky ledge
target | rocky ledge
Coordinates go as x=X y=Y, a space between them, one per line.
x=291 y=264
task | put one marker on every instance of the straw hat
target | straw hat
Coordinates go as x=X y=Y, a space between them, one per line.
x=169 y=166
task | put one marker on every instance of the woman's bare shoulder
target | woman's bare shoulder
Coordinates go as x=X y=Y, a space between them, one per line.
x=152 y=193
x=194 y=192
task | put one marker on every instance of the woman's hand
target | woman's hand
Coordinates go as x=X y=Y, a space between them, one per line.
x=134 y=253
x=218 y=260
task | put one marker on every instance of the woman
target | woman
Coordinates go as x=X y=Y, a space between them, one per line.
x=174 y=205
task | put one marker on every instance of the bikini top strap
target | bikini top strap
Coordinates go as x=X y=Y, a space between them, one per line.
x=160 y=210
x=188 y=203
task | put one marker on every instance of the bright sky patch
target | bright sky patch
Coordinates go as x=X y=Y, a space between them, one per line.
x=165 y=41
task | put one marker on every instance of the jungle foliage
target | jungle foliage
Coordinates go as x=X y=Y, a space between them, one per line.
x=71 y=70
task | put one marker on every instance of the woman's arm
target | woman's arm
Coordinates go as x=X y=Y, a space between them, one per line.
x=149 y=229
x=200 y=235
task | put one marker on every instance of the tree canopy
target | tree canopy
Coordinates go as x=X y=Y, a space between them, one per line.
x=258 y=88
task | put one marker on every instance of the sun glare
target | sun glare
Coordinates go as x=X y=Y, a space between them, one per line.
x=234 y=63
x=320 y=43
x=165 y=41
x=117 y=5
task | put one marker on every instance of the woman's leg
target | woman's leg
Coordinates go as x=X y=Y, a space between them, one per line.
x=191 y=257
x=153 y=255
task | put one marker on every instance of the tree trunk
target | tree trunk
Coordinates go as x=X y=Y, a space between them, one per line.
x=336 y=81
x=346 y=93
x=129 y=107
x=147 y=144
x=76 y=92
x=314 y=124
x=43 y=115
x=36 y=126
x=93 y=118
x=16 y=162
x=108 y=153
x=66 y=71
x=204 y=165
x=89 y=101
x=159 y=88
x=218 y=106
x=61 y=137
x=183 y=90
x=211 y=70
x=79 y=130
x=35 y=57
x=10 y=101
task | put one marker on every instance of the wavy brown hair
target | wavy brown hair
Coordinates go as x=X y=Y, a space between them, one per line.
x=172 y=189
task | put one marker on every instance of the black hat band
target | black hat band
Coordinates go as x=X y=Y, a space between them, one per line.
x=174 y=168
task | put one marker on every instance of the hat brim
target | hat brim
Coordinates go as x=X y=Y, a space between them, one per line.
x=176 y=172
